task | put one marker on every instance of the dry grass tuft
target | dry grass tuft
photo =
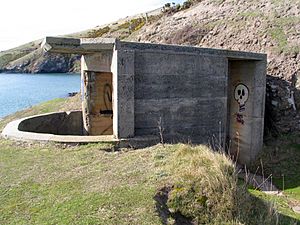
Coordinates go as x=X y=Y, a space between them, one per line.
x=204 y=184
x=205 y=189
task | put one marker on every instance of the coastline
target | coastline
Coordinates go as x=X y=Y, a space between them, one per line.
x=22 y=91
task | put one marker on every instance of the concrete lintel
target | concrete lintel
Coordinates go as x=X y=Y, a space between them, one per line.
x=77 y=45
x=97 y=62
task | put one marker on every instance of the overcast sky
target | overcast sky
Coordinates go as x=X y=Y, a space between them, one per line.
x=22 y=21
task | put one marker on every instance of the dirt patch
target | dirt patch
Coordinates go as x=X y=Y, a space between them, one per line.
x=161 y=199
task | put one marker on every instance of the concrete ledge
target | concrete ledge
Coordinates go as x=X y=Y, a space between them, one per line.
x=138 y=142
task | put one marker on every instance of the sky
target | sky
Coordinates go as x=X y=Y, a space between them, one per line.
x=22 y=21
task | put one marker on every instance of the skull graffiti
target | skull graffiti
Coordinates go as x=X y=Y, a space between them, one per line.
x=241 y=94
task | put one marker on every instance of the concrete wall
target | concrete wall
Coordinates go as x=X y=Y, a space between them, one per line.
x=54 y=123
x=246 y=108
x=186 y=91
x=190 y=93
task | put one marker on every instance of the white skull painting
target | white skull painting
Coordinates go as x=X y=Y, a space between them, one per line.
x=241 y=95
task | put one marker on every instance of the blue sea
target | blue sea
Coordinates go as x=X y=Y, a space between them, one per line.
x=20 y=91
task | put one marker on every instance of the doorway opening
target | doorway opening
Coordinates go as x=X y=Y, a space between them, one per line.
x=240 y=107
x=97 y=103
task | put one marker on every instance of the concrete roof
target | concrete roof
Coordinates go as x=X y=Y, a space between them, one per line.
x=93 y=45
x=231 y=54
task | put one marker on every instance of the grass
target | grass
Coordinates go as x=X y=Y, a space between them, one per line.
x=9 y=57
x=251 y=14
x=282 y=204
x=282 y=2
x=203 y=184
x=57 y=184
x=282 y=28
x=75 y=185
x=93 y=184
x=281 y=159
x=133 y=25
x=279 y=36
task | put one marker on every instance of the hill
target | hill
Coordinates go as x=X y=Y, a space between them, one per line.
x=268 y=26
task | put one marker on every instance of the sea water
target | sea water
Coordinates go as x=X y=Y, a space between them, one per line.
x=20 y=91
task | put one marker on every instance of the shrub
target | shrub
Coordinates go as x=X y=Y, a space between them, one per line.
x=133 y=25
x=187 y=4
x=99 y=32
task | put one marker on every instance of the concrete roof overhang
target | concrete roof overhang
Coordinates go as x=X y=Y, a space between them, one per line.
x=77 y=45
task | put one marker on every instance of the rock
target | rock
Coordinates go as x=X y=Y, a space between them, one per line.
x=296 y=209
x=274 y=103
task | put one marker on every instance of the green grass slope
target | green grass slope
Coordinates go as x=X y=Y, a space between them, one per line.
x=48 y=183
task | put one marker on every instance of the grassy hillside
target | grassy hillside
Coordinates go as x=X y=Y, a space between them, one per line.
x=172 y=184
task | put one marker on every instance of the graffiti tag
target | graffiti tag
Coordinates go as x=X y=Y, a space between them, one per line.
x=241 y=95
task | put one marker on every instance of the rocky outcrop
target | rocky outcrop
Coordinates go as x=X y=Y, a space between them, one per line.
x=282 y=102
x=38 y=61
x=55 y=63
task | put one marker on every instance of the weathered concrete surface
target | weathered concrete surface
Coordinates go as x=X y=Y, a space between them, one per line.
x=63 y=123
x=98 y=62
x=40 y=128
x=186 y=92
x=76 y=45
x=246 y=113
x=230 y=54
x=191 y=91
x=123 y=97
x=12 y=131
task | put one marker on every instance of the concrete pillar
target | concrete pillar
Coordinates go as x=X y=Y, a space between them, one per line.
x=258 y=108
x=123 y=93
x=246 y=113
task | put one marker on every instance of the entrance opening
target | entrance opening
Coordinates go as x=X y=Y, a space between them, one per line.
x=240 y=107
x=97 y=103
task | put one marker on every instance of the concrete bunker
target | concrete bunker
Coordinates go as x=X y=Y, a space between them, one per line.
x=198 y=95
